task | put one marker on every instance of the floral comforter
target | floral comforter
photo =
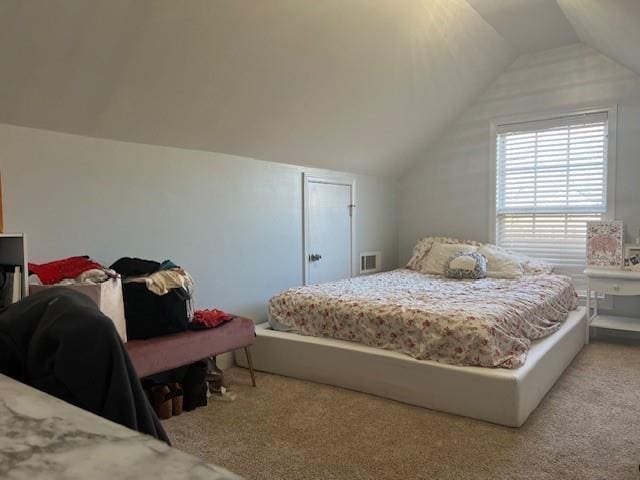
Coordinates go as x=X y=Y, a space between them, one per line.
x=489 y=322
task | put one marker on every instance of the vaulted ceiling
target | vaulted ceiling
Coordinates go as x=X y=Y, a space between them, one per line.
x=528 y=25
x=611 y=26
x=354 y=85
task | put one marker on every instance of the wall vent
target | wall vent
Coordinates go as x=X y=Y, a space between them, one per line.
x=370 y=262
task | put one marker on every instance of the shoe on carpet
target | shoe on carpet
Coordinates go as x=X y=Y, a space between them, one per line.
x=176 y=398
x=161 y=401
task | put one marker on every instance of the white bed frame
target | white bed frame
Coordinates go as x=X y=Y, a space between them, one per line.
x=497 y=395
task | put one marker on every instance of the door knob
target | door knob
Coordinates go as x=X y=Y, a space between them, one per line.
x=314 y=257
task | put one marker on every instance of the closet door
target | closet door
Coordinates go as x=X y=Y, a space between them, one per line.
x=328 y=226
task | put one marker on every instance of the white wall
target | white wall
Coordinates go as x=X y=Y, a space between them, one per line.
x=448 y=191
x=233 y=222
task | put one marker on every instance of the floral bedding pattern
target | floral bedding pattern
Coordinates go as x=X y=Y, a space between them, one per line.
x=489 y=322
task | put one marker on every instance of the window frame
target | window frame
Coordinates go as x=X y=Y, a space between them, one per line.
x=612 y=124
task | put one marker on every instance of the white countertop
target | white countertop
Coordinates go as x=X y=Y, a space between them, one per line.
x=42 y=437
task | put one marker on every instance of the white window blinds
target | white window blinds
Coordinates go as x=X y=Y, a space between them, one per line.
x=551 y=180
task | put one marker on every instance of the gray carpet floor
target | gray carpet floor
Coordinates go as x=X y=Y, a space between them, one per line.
x=587 y=427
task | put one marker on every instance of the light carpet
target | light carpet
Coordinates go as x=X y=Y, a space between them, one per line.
x=587 y=427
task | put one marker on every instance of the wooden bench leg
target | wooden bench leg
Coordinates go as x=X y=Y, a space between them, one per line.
x=250 y=362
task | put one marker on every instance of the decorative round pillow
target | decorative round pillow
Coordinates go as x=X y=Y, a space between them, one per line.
x=466 y=265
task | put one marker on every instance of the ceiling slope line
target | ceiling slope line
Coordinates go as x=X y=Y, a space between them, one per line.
x=611 y=27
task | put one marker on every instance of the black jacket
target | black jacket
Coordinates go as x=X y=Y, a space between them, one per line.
x=59 y=342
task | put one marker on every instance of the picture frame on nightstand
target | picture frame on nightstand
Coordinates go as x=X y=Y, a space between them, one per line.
x=605 y=244
x=632 y=257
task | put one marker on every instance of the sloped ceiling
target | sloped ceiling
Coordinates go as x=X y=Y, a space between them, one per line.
x=355 y=85
x=611 y=26
x=528 y=25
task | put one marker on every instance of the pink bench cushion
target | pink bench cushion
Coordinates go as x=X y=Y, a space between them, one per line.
x=159 y=354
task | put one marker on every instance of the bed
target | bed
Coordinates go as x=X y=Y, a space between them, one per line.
x=489 y=322
x=488 y=349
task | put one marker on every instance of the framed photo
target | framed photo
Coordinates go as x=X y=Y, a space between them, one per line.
x=632 y=257
x=605 y=244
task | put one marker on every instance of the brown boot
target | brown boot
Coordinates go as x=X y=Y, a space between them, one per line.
x=161 y=401
x=176 y=398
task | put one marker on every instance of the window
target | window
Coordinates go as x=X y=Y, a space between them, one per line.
x=551 y=179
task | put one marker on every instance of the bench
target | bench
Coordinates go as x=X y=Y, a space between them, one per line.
x=159 y=354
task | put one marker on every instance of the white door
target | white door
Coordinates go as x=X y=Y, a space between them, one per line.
x=328 y=218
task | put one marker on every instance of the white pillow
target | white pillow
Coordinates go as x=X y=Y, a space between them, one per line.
x=533 y=266
x=423 y=246
x=436 y=260
x=501 y=264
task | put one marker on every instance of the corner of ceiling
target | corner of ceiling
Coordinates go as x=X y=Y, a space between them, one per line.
x=607 y=27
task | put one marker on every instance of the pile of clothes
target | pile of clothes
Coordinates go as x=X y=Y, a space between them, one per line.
x=158 y=297
x=203 y=319
x=69 y=271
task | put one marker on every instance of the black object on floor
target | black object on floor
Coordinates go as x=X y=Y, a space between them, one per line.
x=193 y=383
x=194 y=386
x=59 y=342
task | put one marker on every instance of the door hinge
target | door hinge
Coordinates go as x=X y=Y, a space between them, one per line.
x=351 y=207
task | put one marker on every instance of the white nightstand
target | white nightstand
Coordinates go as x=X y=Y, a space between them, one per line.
x=611 y=282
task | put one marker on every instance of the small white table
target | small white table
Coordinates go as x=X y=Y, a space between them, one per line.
x=611 y=282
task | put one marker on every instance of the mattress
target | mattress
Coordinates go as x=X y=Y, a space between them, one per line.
x=488 y=322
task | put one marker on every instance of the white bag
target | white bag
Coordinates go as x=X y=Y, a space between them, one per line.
x=107 y=296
